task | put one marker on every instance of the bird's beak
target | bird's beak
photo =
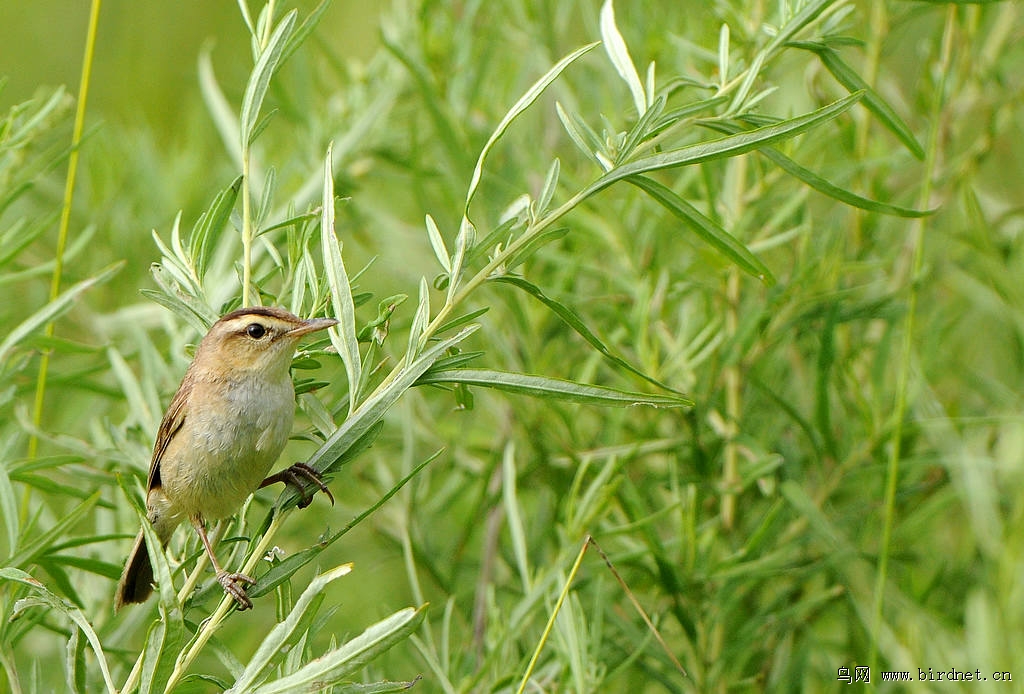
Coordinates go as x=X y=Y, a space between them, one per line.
x=311 y=326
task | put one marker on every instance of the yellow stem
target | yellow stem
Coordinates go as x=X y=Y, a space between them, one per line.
x=65 y=214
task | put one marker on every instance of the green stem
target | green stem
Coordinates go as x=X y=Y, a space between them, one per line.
x=246 y=227
x=214 y=622
x=65 y=213
x=907 y=345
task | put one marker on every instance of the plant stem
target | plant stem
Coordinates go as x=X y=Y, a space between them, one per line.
x=907 y=345
x=65 y=213
x=213 y=623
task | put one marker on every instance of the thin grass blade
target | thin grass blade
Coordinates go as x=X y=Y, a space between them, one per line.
x=554 y=388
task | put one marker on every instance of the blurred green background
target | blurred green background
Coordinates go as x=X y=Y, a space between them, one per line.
x=797 y=384
x=144 y=74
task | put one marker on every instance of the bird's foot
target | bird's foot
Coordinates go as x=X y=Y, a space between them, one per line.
x=234 y=585
x=297 y=476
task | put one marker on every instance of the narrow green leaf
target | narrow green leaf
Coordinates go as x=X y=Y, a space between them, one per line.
x=706 y=228
x=578 y=134
x=209 y=226
x=437 y=243
x=463 y=243
x=382 y=687
x=305 y=29
x=372 y=409
x=807 y=14
x=163 y=643
x=555 y=388
x=524 y=102
x=343 y=336
x=176 y=304
x=672 y=117
x=618 y=53
x=43 y=543
x=548 y=191
x=285 y=632
x=572 y=319
x=461 y=320
x=873 y=101
x=266 y=199
x=56 y=604
x=52 y=311
x=833 y=191
x=75 y=668
x=419 y=321
x=336 y=665
x=740 y=98
x=723 y=55
x=641 y=130
x=259 y=80
x=514 y=516
x=9 y=508
x=725 y=147
x=221 y=112
x=823 y=186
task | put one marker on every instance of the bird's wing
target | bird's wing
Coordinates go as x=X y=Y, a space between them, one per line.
x=169 y=426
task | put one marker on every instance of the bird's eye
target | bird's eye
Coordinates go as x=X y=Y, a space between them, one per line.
x=255 y=331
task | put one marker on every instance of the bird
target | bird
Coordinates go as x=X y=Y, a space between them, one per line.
x=223 y=430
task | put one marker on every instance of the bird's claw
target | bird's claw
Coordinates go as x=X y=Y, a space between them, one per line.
x=234 y=585
x=295 y=476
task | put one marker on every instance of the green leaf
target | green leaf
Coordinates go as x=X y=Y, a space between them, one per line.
x=513 y=514
x=641 y=130
x=43 y=543
x=729 y=146
x=823 y=186
x=581 y=134
x=461 y=320
x=463 y=243
x=43 y=597
x=706 y=228
x=9 y=506
x=372 y=409
x=555 y=388
x=343 y=336
x=807 y=14
x=287 y=631
x=52 y=311
x=336 y=665
x=873 y=101
x=524 y=102
x=210 y=224
x=223 y=116
x=163 y=643
x=419 y=321
x=548 y=191
x=618 y=53
x=572 y=319
x=437 y=243
x=305 y=29
x=841 y=194
x=259 y=80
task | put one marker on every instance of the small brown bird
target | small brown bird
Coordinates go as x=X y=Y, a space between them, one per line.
x=224 y=429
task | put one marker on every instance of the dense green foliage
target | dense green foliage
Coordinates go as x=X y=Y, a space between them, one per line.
x=735 y=293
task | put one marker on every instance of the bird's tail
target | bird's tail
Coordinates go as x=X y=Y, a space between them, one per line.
x=136 y=582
